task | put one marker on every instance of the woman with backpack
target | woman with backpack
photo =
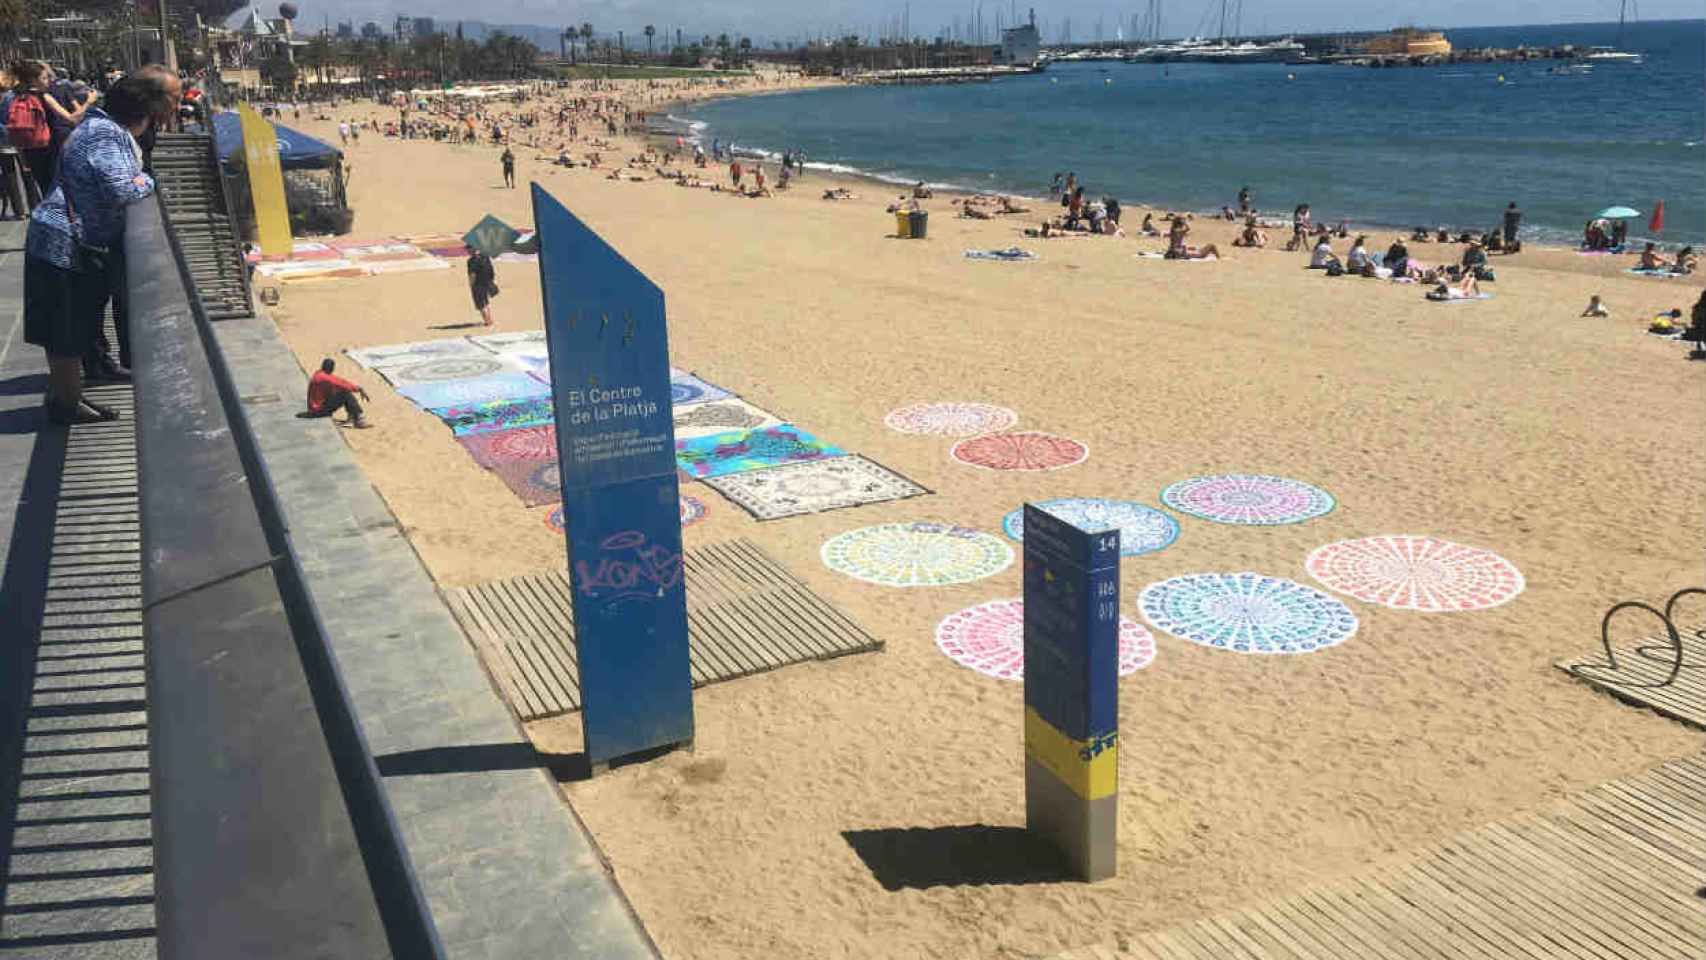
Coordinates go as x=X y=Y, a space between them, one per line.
x=27 y=125
x=70 y=252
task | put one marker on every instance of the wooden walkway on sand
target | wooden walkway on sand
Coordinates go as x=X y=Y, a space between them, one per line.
x=745 y=614
x=1645 y=673
x=1615 y=873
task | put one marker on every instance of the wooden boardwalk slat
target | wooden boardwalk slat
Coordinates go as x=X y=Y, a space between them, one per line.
x=1642 y=667
x=1612 y=873
x=746 y=614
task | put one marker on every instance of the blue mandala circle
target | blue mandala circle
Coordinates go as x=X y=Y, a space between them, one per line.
x=685 y=392
x=1142 y=529
x=1247 y=613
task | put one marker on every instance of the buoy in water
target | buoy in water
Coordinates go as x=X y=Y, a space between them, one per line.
x=1291 y=76
x=1501 y=78
x=1107 y=79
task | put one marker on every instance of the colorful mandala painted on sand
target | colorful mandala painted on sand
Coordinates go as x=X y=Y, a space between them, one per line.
x=1409 y=572
x=554 y=519
x=1247 y=612
x=950 y=419
x=1027 y=450
x=916 y=554
x=1248 y=499
x=990 y=638
x=812 y=486
x=1142 y=529
x=445 y=368
x=507 y=385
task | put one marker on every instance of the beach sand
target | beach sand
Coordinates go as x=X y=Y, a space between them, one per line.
x=1570 y=446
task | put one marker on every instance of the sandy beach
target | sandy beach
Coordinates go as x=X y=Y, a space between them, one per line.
x=1570 y=446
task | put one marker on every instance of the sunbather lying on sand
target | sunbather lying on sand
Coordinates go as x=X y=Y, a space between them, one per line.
x=839 y=193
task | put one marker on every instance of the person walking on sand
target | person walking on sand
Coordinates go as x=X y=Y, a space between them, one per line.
x=482 y=283
x=327 y=394
x=734 y=173
x=508 y=159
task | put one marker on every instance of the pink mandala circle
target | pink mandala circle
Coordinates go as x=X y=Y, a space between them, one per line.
x=1408 y=572
x=990 y=638
x=692 y=511
x=522 y=443
x=1027 y=450
x=950 y=419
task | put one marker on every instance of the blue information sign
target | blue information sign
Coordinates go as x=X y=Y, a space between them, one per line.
x=1072 y=614
x=609 y=348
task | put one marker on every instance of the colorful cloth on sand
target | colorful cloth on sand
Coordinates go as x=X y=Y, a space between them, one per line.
x=1142 y=529
x=720 y=416
x=507 y=385
x=1409 y=572
x=951 y=418
x=508 y=446
x=409 y=354
x=535 y=482
x=1656 y=273
x=526 y=341
x=725 y=453
x=1247 y=613
x=685 y=388
x=447 y=368
x=990 y=638
x=916 y=554
x=1248 y=499
x=408 y=265
x=812 y=486
x=497 y=415
x=1009 y=255
x=1028 y=450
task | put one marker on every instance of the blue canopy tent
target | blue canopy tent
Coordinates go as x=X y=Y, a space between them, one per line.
x=313 y=175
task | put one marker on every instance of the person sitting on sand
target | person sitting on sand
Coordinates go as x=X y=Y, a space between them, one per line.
x=1421 y=235
x=1474 y=257
x=1323 y=256
x=1651 y=259
x=1250 y=236
x=1227 y=214
x=1397 y=258
x=1177 y=249
x=1596 y=308
x=327 y=394
x=920 y=191
x=973 y=211
x=1148 y=227
x=1686 y=262
x=1358 y=260
x=1008 y=206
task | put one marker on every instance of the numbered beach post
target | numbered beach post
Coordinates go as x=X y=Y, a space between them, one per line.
x=1072 y=616
x=609 y=350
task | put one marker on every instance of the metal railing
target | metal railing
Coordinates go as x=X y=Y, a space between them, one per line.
x=272 y=833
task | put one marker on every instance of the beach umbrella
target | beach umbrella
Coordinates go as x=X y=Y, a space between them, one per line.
x=1657 y=224
x=1616 y=213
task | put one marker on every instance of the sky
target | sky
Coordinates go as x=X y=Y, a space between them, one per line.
x=783 y=19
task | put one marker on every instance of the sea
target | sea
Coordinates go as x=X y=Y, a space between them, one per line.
x=1400 y=147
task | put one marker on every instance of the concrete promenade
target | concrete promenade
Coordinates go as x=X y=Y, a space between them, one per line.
x=507 y=869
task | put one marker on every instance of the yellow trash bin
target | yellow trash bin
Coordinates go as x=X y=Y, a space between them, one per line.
x=903 y=224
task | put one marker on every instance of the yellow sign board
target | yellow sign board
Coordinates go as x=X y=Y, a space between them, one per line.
x=266 y=182
x=1089 y=768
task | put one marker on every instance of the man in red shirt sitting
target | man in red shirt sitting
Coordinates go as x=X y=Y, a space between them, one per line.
x=328 y=394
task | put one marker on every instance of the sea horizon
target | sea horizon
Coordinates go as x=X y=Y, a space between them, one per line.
x=1382 y=149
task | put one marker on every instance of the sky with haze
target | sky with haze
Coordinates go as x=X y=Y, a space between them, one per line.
x=784 y=19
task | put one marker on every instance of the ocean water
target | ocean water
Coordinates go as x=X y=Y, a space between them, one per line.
x=1397 y=147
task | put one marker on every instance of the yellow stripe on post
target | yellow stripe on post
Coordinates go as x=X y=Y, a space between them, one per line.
x=1089 y=768
x=266 y=182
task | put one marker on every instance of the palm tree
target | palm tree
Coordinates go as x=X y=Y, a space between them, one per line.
x=649 y=31
x=586 y=36
x=746 y=49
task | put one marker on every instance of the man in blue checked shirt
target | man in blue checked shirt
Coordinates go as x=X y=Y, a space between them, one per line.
x=70 y=265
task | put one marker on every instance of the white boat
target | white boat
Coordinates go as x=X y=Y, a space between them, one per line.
x=1612 y=55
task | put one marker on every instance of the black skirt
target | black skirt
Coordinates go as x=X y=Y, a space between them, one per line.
x=62 y=308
